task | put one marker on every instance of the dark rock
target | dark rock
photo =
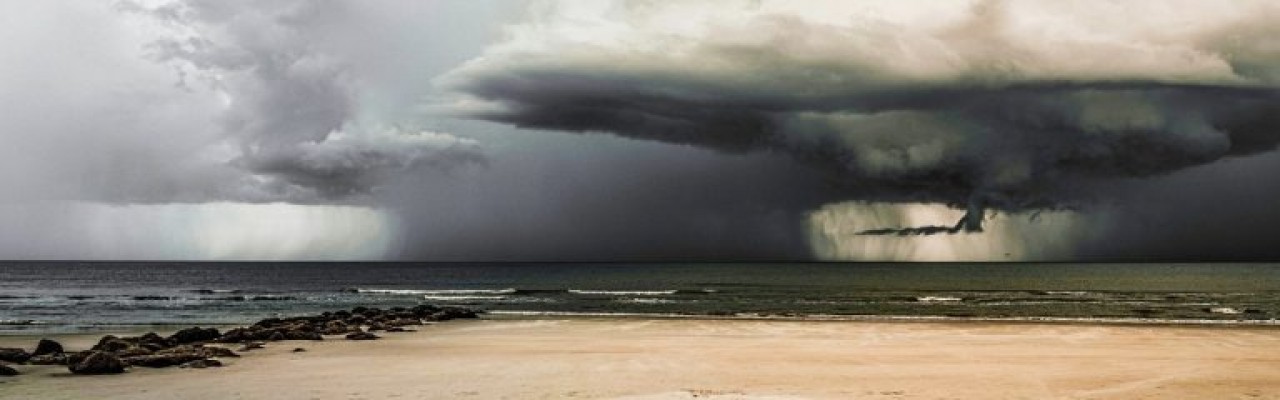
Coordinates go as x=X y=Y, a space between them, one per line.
x=302 y=335
x=362 y=336
x=47 y=346
x=193 y=335
x=449 y=313
x=49 y=359
x=397 y=329
x=6 y=370
x=162 y=360
x=111 y=343
x=13 y=355
x=133 y=352
x=336 y=328
x=299 y=350
x=98 y=362
x=269 y=322
x=152 y=341
x=205 y=363
x=199 y=351
x=276 y=336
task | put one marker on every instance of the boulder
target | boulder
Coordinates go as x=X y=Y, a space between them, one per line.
x=302 y=335
x=299 y=350
x=193 y=335
x=132 y=352
x=14 y=355
x=199 y=351
x=46 y=346
x=205 y=363
x=98 y=362
x=49 y=359
x=6 y=370
x=162 y=360
x=276 y=336
x=152 y=341
x=362 y=336
x=111 y=343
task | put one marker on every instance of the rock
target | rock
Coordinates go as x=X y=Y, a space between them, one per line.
x=47 y=346
x=6 y=370
x=205 y=363
x=196 y=334
x=49 y=359
x=336 y=328
x=98 y=362
x=199 y=351
x=154 y=342
x=299 y=350
x=14 y=355
x=111 y=343
x=162 y=360
x=133 y=352
x=302 y=335
x=251 y=346
x=397 y=329
x=362 y=336
x=276 y=336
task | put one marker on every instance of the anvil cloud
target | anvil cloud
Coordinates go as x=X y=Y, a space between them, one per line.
x=1008 y=105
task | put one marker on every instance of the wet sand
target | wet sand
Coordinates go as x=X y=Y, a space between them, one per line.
x=716 y=359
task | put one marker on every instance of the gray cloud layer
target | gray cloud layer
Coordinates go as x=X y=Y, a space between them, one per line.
x=293 y=81
x=984 y=104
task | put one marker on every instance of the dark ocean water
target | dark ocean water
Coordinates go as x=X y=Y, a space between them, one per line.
x=70 y=297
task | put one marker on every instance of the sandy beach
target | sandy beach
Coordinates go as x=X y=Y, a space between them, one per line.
x=716 y=359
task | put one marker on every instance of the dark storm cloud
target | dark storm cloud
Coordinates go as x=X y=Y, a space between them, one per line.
x=981 y=105
x=558 y=197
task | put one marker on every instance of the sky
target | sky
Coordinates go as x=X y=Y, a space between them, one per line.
x=637 y=130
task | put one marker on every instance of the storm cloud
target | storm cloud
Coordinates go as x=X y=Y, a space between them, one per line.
x=1012 y=106
x=293 y=84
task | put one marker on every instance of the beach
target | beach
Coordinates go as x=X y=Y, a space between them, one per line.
x=613 y=358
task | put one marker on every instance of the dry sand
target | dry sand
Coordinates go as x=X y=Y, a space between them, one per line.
x=717 y=359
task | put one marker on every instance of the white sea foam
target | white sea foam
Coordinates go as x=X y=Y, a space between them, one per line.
x=1067 y=293
x=1226 y=310
x=623 y=292
x=646 y=300
x=463 y=298
x=437 y=292
x=938 y=299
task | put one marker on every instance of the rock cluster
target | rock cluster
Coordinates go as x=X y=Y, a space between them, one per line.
x=202 y=347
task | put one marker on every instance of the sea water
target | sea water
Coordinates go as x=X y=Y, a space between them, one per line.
x=61 y=297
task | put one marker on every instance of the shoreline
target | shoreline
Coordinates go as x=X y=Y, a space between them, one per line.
x=99 y=330
x=632 y=358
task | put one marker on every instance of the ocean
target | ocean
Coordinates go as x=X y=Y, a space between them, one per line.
x=71 y=297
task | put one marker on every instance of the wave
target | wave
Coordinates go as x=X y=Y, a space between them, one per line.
x=1066 y=293
x=154 y=298
x=19 y=322
x=938 y=299
x=646 y=300
x=256 y=298
x=214 y=291
x=623 y=292
x=463 y=298
x=436 y=292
